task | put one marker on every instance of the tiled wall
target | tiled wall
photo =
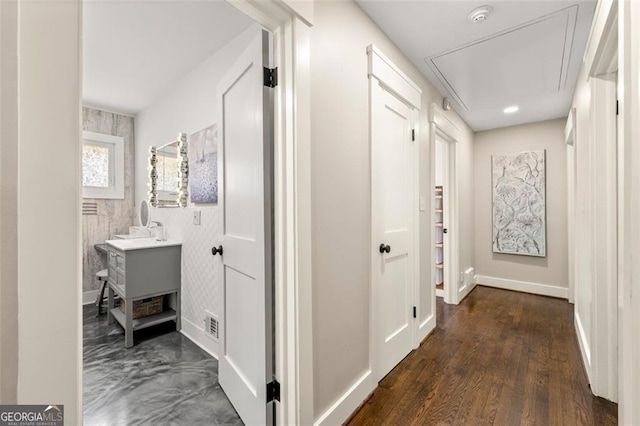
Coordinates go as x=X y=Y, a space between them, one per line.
x=199 y=267
x=114 y=216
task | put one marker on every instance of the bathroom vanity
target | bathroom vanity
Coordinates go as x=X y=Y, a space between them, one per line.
x=140 y=269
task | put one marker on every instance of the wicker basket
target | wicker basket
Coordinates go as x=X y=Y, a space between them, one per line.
x=145 y=307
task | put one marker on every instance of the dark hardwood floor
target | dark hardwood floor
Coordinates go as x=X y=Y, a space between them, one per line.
x=500 y=357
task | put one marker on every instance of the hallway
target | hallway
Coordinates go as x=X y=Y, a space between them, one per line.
x=500 y=357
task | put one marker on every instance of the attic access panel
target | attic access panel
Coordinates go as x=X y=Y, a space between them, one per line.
x=519 y=63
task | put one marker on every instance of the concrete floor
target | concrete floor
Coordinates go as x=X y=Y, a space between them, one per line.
x=165 y=379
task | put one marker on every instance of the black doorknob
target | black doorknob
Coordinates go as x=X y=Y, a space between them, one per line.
x=445 y=230
x=385 y=248
x=216 y=250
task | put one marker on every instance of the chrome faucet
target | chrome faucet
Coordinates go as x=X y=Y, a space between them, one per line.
x=159 y=230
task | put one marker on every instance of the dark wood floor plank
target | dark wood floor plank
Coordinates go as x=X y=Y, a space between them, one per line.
x=498 y=358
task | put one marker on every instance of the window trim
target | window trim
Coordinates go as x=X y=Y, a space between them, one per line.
x=115 y=191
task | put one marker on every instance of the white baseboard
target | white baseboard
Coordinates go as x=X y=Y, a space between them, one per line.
x=89 y=297
x=523 y=286
x=584 y=345
x=348 y=402
x=464 y=291
x=426 y=328
x=199 y=337
x=439 y=293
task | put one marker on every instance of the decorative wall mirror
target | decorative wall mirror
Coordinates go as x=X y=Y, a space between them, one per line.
x=169 y=174
x=144 y=215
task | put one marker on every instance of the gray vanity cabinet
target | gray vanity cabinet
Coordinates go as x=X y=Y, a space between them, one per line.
x=139 y=274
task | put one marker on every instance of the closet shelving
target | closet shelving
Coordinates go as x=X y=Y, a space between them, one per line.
x=439 y=240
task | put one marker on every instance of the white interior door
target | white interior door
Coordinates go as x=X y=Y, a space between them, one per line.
x=245 y=201
x=392 y=228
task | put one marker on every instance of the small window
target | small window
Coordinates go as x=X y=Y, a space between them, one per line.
x=102 y=166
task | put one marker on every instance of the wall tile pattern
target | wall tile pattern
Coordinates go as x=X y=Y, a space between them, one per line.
x=200 y=268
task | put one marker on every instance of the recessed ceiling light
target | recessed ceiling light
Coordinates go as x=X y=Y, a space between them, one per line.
x=479 y=14
x=511 y=109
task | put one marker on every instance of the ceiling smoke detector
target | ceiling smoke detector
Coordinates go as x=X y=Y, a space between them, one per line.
x=479 y=14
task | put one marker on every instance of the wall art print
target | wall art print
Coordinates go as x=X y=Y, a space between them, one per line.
x=519 y=203
x=203 y=165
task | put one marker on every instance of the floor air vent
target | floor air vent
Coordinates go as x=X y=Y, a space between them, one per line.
x=211 y=326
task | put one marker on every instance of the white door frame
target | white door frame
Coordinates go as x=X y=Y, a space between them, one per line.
x=604 y=312
x=381 y=71
x=570 y=131
x=442 y=127
x=290 y=24
x=628 y=226
x=601 y=60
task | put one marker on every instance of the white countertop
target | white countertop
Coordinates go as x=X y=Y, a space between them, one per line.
x=129 y=237
x=141 y=243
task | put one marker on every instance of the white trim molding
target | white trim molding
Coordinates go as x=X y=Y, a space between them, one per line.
x=348 y=402
x=524 y=286
x=584 y=345
x=198 y=336
x=292 y=217
x=426 y=327
x=442 y=126
x=604 y=227
x=471 y=280
x=570 y=128
x=603 y=39
x=115 y=147
x=570 y=135
x=629 y=209
x=392 y=78
x=445 y=126
x=290 y=22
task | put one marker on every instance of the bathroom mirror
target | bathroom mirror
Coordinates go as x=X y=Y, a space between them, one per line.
x=168 y=174
x=144 y=214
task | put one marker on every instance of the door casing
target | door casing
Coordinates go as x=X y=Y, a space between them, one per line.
x=443 y=128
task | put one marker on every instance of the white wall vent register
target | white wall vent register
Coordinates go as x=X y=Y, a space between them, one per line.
x=211 y=326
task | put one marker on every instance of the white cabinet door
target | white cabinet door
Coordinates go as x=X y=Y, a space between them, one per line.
x=392 y=227
x=245 y=107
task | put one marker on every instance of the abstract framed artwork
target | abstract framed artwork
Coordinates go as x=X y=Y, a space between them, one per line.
x=519 y=203
x=203 y=165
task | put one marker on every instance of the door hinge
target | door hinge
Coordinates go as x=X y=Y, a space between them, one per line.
x=415 y=314
x=617 y=108
x=273 y=391
x=413 y=135
x=270 y=77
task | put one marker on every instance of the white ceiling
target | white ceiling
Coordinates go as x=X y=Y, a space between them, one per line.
x=527 y=53
x=134 y=50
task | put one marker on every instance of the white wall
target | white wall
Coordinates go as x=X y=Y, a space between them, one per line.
x=41 y=134
x=340 y=176
x=189 y=106
x=552 y=269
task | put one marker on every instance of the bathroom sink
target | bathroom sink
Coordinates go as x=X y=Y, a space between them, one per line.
x=139 y=231
x=141 y=243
